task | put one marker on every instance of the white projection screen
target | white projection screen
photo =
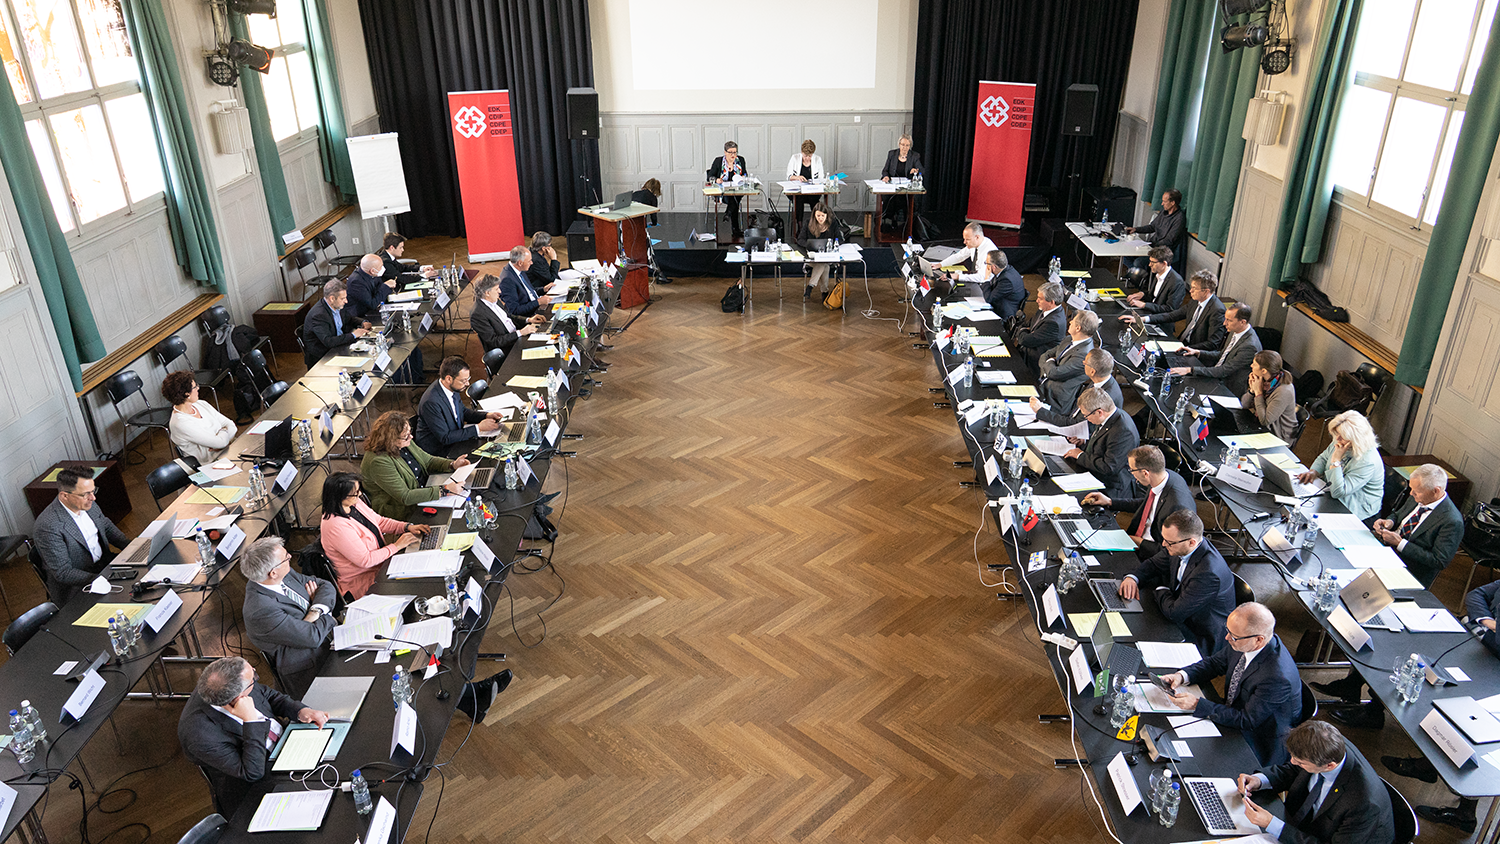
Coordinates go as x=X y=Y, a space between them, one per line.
x=768 y=44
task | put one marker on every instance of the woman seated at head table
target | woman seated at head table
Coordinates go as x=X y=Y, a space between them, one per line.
x=354 y=536
x=1351 y=465
x=197 y=428
x=396 y=471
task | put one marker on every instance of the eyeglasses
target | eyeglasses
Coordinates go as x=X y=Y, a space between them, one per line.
x=1233 y=638
x=1169 y=543
x=90 y=494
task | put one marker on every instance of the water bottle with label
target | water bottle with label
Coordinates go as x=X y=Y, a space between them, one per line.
x=937 y=317
x=1414 y=679
x=1123 y=706
x=1170 y=803
x=1403 y=675
x=1002 y=418
x=1232 y=455
x=1310 y=533
x=116 y=640
x=512 y=476
x=1150 y=366
x=205 y=548
x=400 y=687
x=346 y=388
x=1161 y=783
x=1180 y=412
x=471 y=514
x=1104 y=220
x=1166 y=385
x=34 y=721
x=1013 y=462
x=257 y=486
x=968 y=374
x=21 y=742
x=361 y=791
x=450 y=588
x=1079 y=288
x=1023 y=500
x=553 y=385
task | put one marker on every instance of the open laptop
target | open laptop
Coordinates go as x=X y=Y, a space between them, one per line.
x=1072 y=531
x=144 y=555
x=1122 y=659
x=1232 y=420
x=1106 y=589
x=1279 y=478
x=1049 y=463
x=1366 y=596
x=622 y=201
x=1219 y=805
x=340 y=697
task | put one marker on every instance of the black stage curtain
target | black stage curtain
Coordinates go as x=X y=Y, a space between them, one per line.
x=538 y=49
x=1054 y=44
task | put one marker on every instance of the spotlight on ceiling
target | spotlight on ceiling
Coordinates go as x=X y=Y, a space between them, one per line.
x=253 y=56
x=1243 y=35
x=253 y=7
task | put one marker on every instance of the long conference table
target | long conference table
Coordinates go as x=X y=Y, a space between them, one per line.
x=33 y=671
x=1228 y=754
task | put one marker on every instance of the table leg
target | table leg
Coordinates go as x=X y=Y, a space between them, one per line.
x=911 y=214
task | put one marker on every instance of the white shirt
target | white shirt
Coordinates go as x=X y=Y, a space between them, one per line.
x=1401 y=546
x=1160 y=280
x=1233 y=339
x=271 y=734
x=977 y=254
x=90 y=531
x=500 y=312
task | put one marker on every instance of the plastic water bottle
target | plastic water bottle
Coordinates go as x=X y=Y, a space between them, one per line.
x=400 y=687
x=1232 y=455
x=361 y=791
x=34 y=721
x=1079 y=288
x=205 y=548
x=553 y=385
x=346 y=388
x=130 y=630
x=1105 y=219
x=1310 y=535
x=512 y=477
x=1071 y=573
x=1151 y=366
x=1170 y=803
x=1166 y=385
x=1123 y=707
x=116 y=638
x=968 y=374
x=1023 y=500
x=1406 y=677
x=258 y=493
x=1414 y=682
x=1181 y=412
x=472 y=515
x=1124 y=338
x=1161 y=783
x=1014 y=461
x=937 y=317
x=302 y=440
x=450 y=588
x=21 y=741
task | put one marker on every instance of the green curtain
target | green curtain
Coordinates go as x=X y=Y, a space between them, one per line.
x=77 y=335
x=1309 y=181
x=189 y=212
x=267 y=158
x=1455 y=222
x=1201 y=99
x=332 y=130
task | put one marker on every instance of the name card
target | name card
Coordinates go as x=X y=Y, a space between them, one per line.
x=78 y=703
x=442 y=299
x=1052 y=604
x=404 y=731
x=1446 y=736
x=291 y=237
x=382 y=822
x=327 y=422
x=1237 y=479
x=473 y=597
x=942 y=342
x=1135 y=354
x=163 y=610
x=383 y=361
x=1125 y=785
x=1078 y=303
x=231 y=542
x=426 y=323
x=363 y=385
x=7 y=801
x=1079 y=665
x=991 y=470
x=956 y=375
x=1344 y=623
x=562 y=379
x=553 y=432
x=524 y=470
x=284 y=478
x=484 y=555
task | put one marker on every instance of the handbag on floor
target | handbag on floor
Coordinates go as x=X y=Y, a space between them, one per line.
x=734 y=299
x=834 y=299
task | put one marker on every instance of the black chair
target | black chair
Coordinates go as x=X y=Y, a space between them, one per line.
x=165 y=480
x=40 y=567
x=1405 y=817
x=314 y=563
x=477 y=388
x=1303 y=417
x=1309 y=705
x=1270 y=338
x=28 y=625
x=9 y=545
x=218 y=316
x=756 y=239
x=206 y=831
x=305 y=257
x=1243 y=594
x=326 y=240
x=275 y=671
x=492 y=360
x=120 y=387
x=174 y=349
x=254 y=373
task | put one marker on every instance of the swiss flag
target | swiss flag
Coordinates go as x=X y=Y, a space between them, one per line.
x=1030 y=521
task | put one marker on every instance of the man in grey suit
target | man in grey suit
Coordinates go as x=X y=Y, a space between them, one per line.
x=73 y=537
x=1229 y=364
x=288 y=615
x=231 y=723
x=1098 y=371
x=1106 y=452
x=1202 y=310
x=1062 y=368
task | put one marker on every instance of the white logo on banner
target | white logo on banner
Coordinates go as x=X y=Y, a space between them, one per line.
x=994 y=111
x=469 y=122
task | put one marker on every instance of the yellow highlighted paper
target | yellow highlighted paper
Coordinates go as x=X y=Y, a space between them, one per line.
x=1017 y=391
x=539 y=352
x=996 y=351
x=99 y=614
x=281 y=306
x=459 y=541
x=527 y=382
x=1083 y=623
x=218 y=495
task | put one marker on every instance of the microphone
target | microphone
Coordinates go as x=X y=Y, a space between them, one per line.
x=90 y=661
x=442 y=693
x=302 y=382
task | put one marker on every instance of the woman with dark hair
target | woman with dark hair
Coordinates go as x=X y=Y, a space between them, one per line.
x=353 y=535
x=820 y=225
x=649 y=194
x=197 y=428
x=396 y=470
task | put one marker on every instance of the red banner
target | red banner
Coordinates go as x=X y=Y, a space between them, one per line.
x=1002 y=150
x=484 y=147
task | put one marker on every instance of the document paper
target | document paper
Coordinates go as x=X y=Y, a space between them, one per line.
x=287 y=811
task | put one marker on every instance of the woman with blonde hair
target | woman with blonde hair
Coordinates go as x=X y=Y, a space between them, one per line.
x=1351 y=465
x=804 y=166
x=397 y=471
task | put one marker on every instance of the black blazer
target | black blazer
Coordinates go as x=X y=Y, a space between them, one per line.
x=1266 y=704
x=1106 y=454
x=1432 y=545
x=493 y=332
x=1063 y=369
x=438 y=427
x=1233 y=370
x=517 y=294
x=319 y=336
x=542 y=272
x=1006 y=292
x=893 y=167
x=1046 y=330
x=393 y=267
x=1484 y=602
x=274 y=624
x=1357 y=808
x=65 y=552
x=1201 y=601
x=1065 y=415
x=232 y=755
x=716 y=169
x=646 y=197
x=1209 y=333
x=1176 y=495
x=805 y=237
x=1173 y=291
x=366 y=293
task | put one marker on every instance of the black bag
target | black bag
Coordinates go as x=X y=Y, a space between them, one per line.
x=1347 y=392
x=1305 y=292
x=734 y=299
x=1482 y=533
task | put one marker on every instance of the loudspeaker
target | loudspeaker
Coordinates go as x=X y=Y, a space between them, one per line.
x=583 y=114
x=1078 y=109
x=1118 y=201
x=581 y=241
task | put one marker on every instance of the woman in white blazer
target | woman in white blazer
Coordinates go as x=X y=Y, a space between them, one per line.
x=804 y=166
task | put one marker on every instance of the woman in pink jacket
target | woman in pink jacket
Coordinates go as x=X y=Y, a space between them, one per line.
x=353 y=535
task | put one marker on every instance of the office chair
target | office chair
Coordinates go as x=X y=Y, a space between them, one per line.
x=492 y=360
x=218 y=316
x=314 y=563
x=300 y=260
x=165 y=480
x=1243 y=594
x=174 y=349
x=1309 y=705
x=120 y=387
x=1405 y=817
x=9 y=545
x=476 y=390
x=343 y=264
x=206 y=831
x=30 y=623
x=275 y=671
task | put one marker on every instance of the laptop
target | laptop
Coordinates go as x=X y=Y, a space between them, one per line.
x=622 y=201
x=1232 y=420
x=1219 y=805
x=1476 y=721
x=340 y=697
x=433 y=540
x=1072 y=532
x=1106 y=589
x=1050 y=463
x=1122 y=659
x=1280 y=479
x=144 y=555
x=1366 y=596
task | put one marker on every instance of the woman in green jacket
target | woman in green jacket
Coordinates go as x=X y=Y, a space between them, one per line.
x=396 y=471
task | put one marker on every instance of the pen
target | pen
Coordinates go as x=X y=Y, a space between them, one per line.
x=356 y=656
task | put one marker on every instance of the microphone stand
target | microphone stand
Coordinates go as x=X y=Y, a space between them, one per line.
x=89 y=663
x=442 y=693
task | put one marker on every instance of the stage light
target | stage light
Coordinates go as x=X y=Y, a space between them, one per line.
x=253 y=7
x=1243 y=35
x=253 y=56
x=1242 y=7
x=221 y=71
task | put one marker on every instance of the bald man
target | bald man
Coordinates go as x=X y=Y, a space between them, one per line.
x=367 y=289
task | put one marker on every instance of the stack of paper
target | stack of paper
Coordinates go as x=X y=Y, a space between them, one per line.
x=286 y=811
x=361 y=634
x=1080 y=482
x=381 y=605
x=1169 y=654
x=424 y=564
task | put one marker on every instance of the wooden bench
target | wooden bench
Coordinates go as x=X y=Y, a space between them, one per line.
x=320 y=225
x=1359 y=341
x=116 y=361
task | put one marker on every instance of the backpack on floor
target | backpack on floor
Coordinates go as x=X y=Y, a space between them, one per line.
x=734 y=299
x=834 y=299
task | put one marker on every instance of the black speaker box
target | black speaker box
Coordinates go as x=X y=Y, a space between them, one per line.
x=581 y=241
x=1079 y=104
x=583 y=114
x=1118 y=201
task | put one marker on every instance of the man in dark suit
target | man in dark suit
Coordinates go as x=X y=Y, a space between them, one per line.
x=391 y=250
x=230 y=725
x=368 y=289
x=1165 y=493
x=1164 y=289
x=1062 y=368
x=1005 y=290
x=73 y=537
x=1483 y=606
x=1202 y=310
x=1263 y=696
x=545 y=268
x=1189 y=580
x=1047 y=328
x=725 y=168
x=1332 y=793
x=328 y=326
x=495 y=328
x=1229 y=363
x=288 y=615
x=515 y=291
x=1106 y=453
x=1098 y=371
x=443 y=420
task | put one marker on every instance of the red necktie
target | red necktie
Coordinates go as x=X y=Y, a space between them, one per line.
x=1411 y=522
x=1144 y=527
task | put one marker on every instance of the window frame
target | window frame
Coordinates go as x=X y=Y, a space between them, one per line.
x=282 y=51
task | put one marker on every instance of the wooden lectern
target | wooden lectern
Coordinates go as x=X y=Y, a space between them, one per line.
x=623 y=232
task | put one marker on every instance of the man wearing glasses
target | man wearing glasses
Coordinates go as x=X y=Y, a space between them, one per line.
x=73 y=537
x=1263 y=698
x=1192 y=585
x=288 y=615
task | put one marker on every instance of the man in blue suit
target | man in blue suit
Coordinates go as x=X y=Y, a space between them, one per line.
x=1192 y=585
x=519 y=298
x=1005 y=291
x=442 y=418
x=1263 y=698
